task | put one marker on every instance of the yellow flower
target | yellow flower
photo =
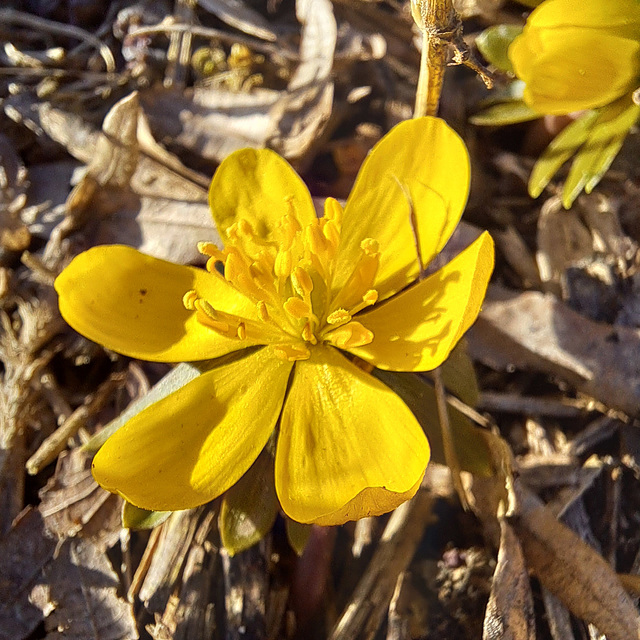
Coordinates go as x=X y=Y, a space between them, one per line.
x=297 y=293
x=578 y=55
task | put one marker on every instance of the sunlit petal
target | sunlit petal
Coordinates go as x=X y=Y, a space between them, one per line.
x=416 y=330
x=594 y=14
x=348 y=446
x=259 y=186
x=574 y=68
x=194 y=444
x=416 y=176
x=132 y=303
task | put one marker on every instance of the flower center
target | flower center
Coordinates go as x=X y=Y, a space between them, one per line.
x=290 y=280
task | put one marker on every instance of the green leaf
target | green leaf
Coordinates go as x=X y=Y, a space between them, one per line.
x=298 y=535
x=420 y=397
x=459 y=375
x=250 y=507
x=599 y=150
x=561 y=148
x=493 y=43
x=135 y=518
x=504 y=113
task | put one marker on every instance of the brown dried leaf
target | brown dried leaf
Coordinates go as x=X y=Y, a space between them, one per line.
x=72 y=499
x=83 y=594
x=535 y=331
x=510 y=614
x=299 y=118
x=573 y=571
x=24 y=553
x=238 y=15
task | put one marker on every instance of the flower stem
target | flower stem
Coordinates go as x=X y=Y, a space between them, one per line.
x=441 y=27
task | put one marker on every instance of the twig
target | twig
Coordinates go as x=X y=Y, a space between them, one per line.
x=18 y=17
x=207 y=32
x=57 y=441
x=447 y=437
x=441 y=27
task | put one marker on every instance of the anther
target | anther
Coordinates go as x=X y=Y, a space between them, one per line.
x=297 y=308
x=370 y=246
x=189 y=300
x=263 y=312
x=242 y=331
x=339 y=316
x=308 y=335
x=301 y=281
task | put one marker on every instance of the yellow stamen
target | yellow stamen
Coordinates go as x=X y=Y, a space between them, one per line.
x=339 y=316
x=350 y=335
x=263 y=312
x=297 y=308
x=189 y=300
x=291 y=352
x=242 y=331
x=308 y=335
x=301 y=281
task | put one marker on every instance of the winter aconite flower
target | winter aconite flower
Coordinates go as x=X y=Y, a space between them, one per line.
x=574 y=56
x=299 y=297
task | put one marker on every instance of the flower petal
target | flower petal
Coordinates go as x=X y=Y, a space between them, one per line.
x=419 y=171
x=416 y=330
x=348 y=446
x=594 y=14
x=196 y=443
x=261 y=187
x=571 y=68
x=132 y=303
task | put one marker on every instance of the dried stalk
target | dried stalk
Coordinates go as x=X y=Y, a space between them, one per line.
x=441 y=27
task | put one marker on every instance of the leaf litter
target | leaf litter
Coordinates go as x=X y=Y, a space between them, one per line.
x=113 y=121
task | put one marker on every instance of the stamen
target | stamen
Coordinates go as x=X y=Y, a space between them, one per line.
x=308 y=335
x=291 y=352
x=210 y=249
x=349 y=336
x=189 y=300
x=242 y=331
x=263 y=312
x=282 y=267
x=370 y=246
x=339 y=316
x=333 y=211
x=297 y=308
x=368 y=299
x=301 y=281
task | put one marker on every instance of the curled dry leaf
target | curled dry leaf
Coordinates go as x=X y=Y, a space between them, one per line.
x=509 y=614
x=572 y=570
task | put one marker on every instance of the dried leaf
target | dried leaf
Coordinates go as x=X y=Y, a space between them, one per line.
x=238 y=15
x=535 y=331
x=510 y=614
x=83 y=591
x=573 y=571
x=72 y=498
x=24 y=553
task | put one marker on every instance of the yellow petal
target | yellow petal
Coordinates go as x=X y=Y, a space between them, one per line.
x=348 y=446
x=416 y=330
x=595 y=14
x=419 y=171
x=259 y=186
x=196 y=443
x=132 y=303
x=571 y=68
